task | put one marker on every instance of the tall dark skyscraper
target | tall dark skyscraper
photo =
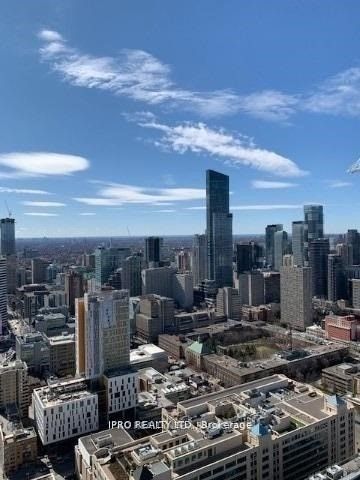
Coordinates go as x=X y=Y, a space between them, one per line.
x=270 y=242
x=314 y=226
x=218 y=229
x=199 y=259
x=153 y=250
x=353 y=239
x=318 y=261
x=7 y=241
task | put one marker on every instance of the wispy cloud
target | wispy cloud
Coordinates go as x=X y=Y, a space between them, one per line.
x=37 y=164
x=266 y=207
x=339 y=184
x=113 y=194
x=339 y=95
x=41 y=214
x=236 y=150
x=164 y=211
x=254 y=207
x=43 y=204
x=23 y=191
x=138 y=75
x=268 y=184
x=87 y=214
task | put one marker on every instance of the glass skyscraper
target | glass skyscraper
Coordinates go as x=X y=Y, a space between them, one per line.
x=7 y=245
x=218 y=229
x=270 y=242
x=298 y=242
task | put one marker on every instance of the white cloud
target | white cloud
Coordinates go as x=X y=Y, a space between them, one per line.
x=339 y=184
x=234 y=150
x=267 y=184
x=87 y=214
x=25 y=191
x=35 y=164
x=117 y=194
x=138 y=75
x=164 y=211
x=41 y=214
x=44 y=204
x=339 y=95
x=254 y=207
x=266 y=207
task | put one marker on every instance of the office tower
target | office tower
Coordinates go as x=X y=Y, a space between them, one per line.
x=314 y=226
x=7 y=234
x=102 y=332
x=353 y=239
x=183 y=261
x=270 y=242
x=271 y=287
x=183 y=289
x=199 y=258
x=107 y=260
x=158 y=281
x=114 y=280
x=336 y=278
x=153 y=247
x=218 y=229
x=314 y=221
x=131 y=275
x=355 y=293
x=281 y=246
x=154 y=316
x=345 y=252
x=74 y=288
x=228 y=303
x=3 y=292
x=296 y=296
x=318 y=261
x=38 y=270
x=251 y=288
x=247 y=256
x=298 y=242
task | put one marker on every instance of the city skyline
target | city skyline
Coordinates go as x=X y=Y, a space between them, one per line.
x=111 y=130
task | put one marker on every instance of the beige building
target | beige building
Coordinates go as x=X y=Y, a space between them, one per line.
x=62 y=355
x=14 y=388
x=17 y=447
x=272 y=429
x=296 y=295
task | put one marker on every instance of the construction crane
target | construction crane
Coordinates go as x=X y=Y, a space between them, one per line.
x=8 y=209
x=355 y=167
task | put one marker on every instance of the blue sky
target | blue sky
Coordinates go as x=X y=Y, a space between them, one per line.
x=111 y=112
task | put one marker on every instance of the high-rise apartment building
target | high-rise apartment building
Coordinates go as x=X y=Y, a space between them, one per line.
x=314 y=226
x=318 y=261
x=296 y=296
x=270 y=242
x=298 y=242
x=14 y=386
x=355 y=293
x=107 y=260
x=353 y=239
x=74 y=288
x=199 y=259
x=102 y=332
x=153 y=247
x=248 y=256
x=251 y=288
x=281 y=247
x=7 y=236
x=218 y=229
x=228 y=303
x=3 y=292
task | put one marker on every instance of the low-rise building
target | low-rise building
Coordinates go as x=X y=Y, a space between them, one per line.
x=268 y=429
x=341 y=328
x=18 y=446
x=62 y=354
x=342 y=379
x=149 y=355
x=64 y=410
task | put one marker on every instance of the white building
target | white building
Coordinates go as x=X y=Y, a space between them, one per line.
x=122 y=390
x=183 y=290
x=64 y=410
